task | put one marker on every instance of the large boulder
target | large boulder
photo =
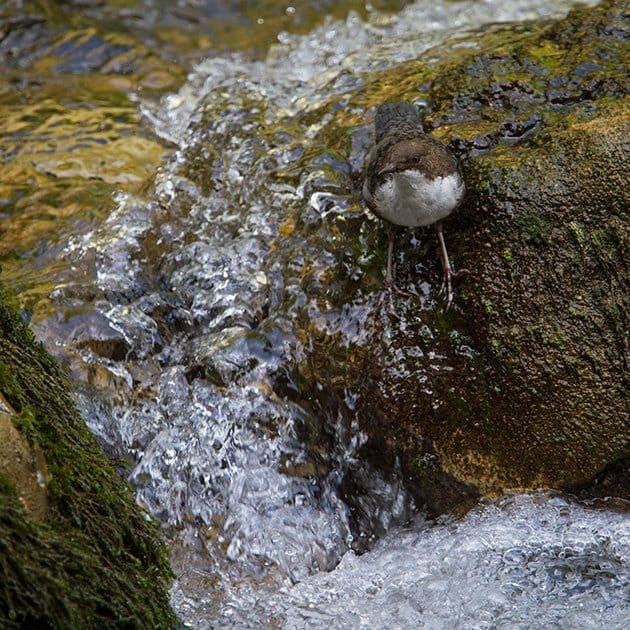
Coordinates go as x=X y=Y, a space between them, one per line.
x=522 y=384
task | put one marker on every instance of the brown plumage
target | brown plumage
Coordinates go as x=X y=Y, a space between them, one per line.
x=412 y=179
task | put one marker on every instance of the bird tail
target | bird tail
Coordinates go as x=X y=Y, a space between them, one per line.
x=392 y=115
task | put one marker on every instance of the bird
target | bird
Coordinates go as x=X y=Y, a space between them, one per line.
x=411 y=179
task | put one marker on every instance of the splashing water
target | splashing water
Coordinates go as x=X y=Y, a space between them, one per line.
x=206 y=289
x=526 y=562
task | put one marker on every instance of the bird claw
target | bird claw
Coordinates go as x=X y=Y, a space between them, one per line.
x=387 y=297
x=446 y=288
x=391 y=286
x=391 y=289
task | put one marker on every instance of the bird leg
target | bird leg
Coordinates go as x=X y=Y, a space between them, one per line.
x=390 y=284
x=390 y=281
x=447 y=270
x=389 y=278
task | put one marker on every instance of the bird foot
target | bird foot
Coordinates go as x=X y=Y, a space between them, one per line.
x=446 y=287
x=390 y=290
x=392 y=287
x=386 y=301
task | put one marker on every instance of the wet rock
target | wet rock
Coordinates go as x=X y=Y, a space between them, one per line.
x=23 y=464
x=522 y=384
x=62 y=505
x=91 y=330
x=612 y=484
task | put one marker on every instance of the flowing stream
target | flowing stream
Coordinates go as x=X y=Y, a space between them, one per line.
x=199 y=298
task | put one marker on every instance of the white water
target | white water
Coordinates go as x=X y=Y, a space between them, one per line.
x=247 y=482
x=527 y=562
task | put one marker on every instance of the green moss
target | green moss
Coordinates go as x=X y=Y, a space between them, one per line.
x=25 y=423
x=534 y=228
x=426 y=466
x=97 y=560
x=7 y=487
x=548 y=334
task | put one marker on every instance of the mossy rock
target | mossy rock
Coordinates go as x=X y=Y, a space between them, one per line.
x=522 y=384
x=93 y=559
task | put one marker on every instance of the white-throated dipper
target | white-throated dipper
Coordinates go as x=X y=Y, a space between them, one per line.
x=411 y=179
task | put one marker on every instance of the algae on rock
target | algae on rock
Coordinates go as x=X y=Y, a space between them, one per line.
x=94 y=559
x=523 y=384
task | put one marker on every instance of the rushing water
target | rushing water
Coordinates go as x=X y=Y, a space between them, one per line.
x=525 y=562
x=199 y=298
